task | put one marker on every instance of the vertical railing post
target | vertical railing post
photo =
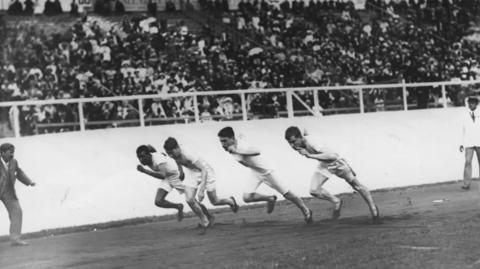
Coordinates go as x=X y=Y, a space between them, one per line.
x=316 y=103
x=444 y=96
x=362 y=104
x=404 y=94
x=141 y=113
x=195 y=108
x=16 y=121
x=244 y=107
x=81 y=117
x=289 y=103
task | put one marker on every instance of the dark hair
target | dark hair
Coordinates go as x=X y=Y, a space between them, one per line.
x=226 y=132
x=472 y=100
x=151 y=149
x=145 y=148
x=292 y=131
x=7 y=146
x=170 y=143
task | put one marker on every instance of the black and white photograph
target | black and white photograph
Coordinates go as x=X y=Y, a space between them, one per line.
x=239 y=134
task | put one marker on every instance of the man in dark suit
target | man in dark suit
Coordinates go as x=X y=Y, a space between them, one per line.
x=9 y=172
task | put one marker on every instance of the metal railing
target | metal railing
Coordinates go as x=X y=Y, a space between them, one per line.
x=290 y=94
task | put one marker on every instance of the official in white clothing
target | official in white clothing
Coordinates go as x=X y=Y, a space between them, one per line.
x=470 y=139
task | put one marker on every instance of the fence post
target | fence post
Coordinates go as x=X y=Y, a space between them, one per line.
x=244 y=106
x=195 y=108
x=289 y=104
x=316 y=103
x=16 y=121
x=141 y=114
x=444 y=96
x=362 y=104
x=81 y=117
x=404 y=94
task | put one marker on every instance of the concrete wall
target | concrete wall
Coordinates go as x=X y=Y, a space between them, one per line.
x=91 y=177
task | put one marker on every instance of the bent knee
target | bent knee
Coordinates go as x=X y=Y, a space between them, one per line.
x=214 y=202
x=247 y=197
x=359 y=187
x=313 y=192
x=190 y=200
x=289 y=195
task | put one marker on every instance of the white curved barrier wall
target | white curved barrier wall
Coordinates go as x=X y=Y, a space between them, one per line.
x=91 y=177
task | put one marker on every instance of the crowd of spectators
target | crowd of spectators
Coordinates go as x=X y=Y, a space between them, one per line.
x=16 y=8
x=136 y=57
x=296 y=44
x=27 y=7
x=343 y=48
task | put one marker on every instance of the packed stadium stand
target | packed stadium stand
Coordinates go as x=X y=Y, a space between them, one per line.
x=213 y=47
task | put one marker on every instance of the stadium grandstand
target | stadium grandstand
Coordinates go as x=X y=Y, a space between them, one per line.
x=177 y=50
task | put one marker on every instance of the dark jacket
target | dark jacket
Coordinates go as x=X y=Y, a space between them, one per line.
x=7 y=180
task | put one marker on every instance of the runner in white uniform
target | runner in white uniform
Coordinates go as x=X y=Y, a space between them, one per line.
x=330 y=163
x=201 y=177
x=162 y=168
x=262 y=173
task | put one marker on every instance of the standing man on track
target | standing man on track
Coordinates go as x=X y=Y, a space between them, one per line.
x=470 y=139
x=9 y=172
x=330 y=163
x=250 y=157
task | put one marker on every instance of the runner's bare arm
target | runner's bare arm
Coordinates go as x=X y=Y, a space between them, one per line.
x=155 y=174
x=180 y=170
x=201 y=166
x=324 y=155
x=246 y=152
x=204 y=173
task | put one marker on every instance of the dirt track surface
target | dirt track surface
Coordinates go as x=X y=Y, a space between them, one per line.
x=423 y=227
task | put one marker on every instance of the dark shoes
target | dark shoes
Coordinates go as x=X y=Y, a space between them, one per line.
x=309 y=218
x=271 y=204
x=235 y=206
x=376 y=218
x=211 y=221
x=337 y=210
x=466 y=187
x=203 y=229
x=180 y=213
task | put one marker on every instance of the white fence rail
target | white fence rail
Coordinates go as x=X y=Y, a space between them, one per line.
x=290 y=94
